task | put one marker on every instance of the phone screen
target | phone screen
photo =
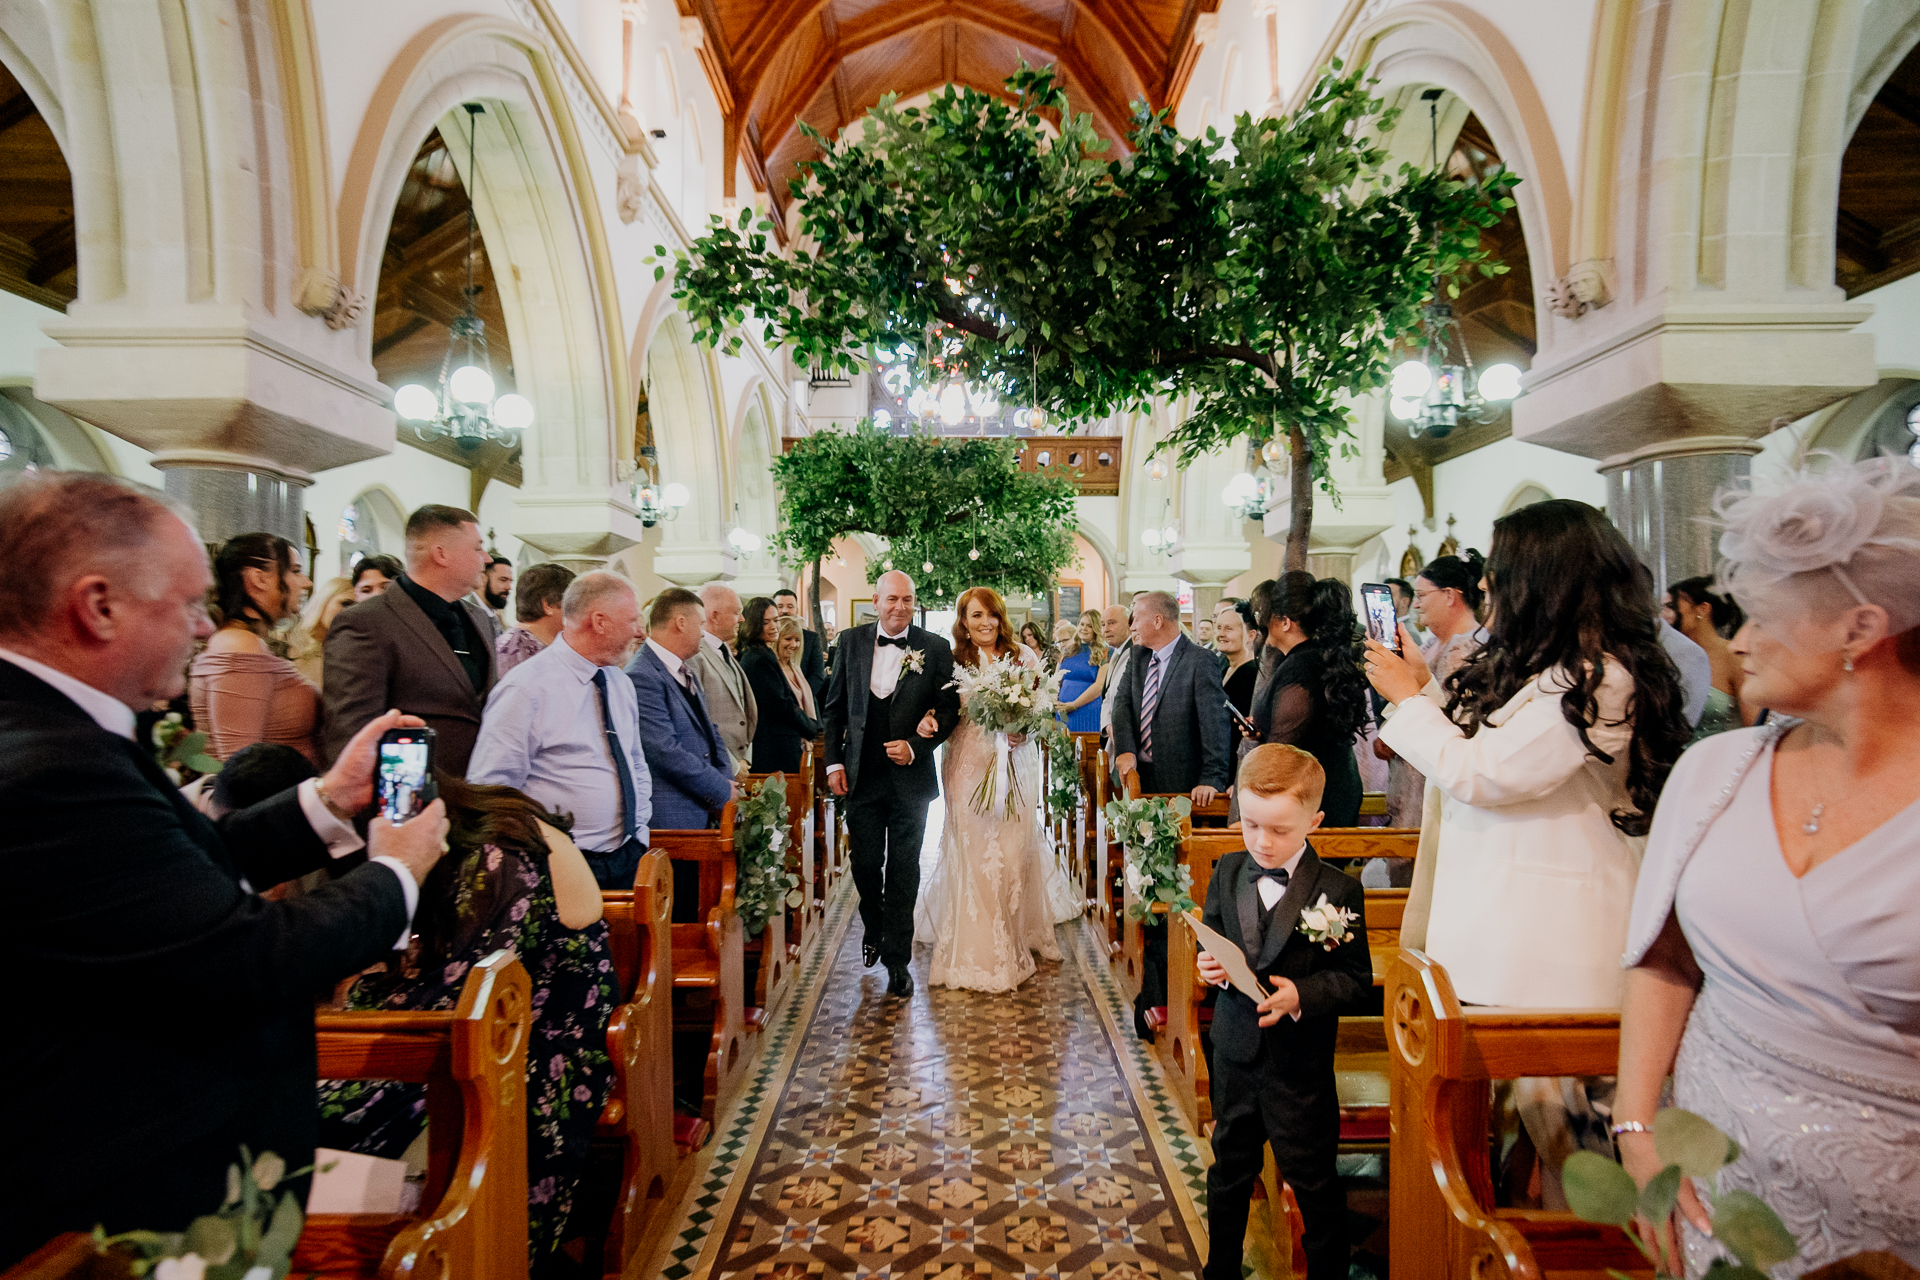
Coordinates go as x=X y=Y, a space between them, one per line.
x=1383 y=623
x=406 y=771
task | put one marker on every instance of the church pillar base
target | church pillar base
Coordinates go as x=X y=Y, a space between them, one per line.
x=231 y=494
x=1657 y=495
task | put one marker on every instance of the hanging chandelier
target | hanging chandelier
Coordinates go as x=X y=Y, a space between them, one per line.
x=466 y=410
x=1437 y=393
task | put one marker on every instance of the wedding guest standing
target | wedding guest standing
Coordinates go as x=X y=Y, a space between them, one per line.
x=717 y=668
x=242 y=691
x=1232 y=635
x=1033 y=635
x=307 y=643
x=537 y=608
x=1170 y=717
x=813 y=661
x=1707 y=618
x=1775 y=961
x=1116 y=628
x=789 y=716
x=1081 y=665
x=372 y=575
x=1313 y=698
x=1446 y=599
x=692 y=773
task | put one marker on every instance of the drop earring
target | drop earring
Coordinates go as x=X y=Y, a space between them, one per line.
x=1846 y=662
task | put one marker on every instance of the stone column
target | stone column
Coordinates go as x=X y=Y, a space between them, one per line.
x=231 y=495
x=1658 y=495
x=1333 y=562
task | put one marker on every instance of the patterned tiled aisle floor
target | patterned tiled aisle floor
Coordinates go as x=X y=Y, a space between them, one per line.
x=957 y=1136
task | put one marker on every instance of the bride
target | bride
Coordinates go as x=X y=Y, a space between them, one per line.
x=997 y=890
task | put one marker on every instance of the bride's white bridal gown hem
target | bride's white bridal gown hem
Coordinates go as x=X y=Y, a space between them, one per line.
x=996 y=891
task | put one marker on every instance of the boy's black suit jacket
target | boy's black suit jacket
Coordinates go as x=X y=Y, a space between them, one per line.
x=915 y=694
x=152 y=1003
x=1329 y=982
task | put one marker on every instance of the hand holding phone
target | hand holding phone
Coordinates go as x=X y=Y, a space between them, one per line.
x=403 y=773
x=1383 y=622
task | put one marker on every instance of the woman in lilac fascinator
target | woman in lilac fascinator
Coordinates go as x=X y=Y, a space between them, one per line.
x=1774 y=953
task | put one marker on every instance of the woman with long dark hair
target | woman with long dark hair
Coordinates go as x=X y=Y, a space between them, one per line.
x=512 y=879
x=1549 y=746
x=1312 y=697
x=243 y=688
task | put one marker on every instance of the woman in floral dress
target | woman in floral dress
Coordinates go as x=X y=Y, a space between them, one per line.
x=512 y=879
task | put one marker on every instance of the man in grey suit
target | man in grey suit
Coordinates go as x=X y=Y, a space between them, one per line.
x=417 y=646
x=1170 y=715
x=729 y=696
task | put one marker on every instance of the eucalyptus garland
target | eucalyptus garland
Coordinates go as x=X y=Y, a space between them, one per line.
x=762 y=841
x=1063 y=788
x=1149 y=828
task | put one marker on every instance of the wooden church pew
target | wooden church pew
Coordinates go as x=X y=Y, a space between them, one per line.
x=1108 y=861
x=1087 y=816
x=1130 y=965
x=1441 y=1186
x=639 y=1116
x=709 y=964
x=473 y=1061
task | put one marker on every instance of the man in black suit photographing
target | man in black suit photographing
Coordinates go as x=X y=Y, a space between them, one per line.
x=889 y=706
x=1302 y=929
x=160 y=1012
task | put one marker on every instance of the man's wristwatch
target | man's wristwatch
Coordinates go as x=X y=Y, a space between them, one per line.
x=320 y=789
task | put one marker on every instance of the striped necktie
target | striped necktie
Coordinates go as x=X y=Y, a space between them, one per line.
x=1149 y=703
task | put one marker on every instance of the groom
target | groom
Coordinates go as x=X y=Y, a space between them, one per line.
x=888 y=678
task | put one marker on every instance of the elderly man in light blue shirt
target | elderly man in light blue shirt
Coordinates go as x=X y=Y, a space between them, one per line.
x=564 y=727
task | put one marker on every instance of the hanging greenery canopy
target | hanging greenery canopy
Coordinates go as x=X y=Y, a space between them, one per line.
x=1266 y=277
x=936 y=501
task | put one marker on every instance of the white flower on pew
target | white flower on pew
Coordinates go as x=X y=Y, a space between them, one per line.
x=191 y=1267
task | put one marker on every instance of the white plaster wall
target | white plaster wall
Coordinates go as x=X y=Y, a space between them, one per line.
x=415 y=479
x=20 y=337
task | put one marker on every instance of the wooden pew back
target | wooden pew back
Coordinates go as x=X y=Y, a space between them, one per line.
x=473 y=1061
x=1444 y=1224
x=708 y=956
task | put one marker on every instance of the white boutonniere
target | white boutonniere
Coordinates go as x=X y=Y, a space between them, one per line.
x=915 y=661
x=1327 y=924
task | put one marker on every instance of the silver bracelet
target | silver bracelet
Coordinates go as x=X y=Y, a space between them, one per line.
x=1631 y=1126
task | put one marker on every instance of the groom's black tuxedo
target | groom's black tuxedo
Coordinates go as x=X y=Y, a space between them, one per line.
x=886 y=802
x=1276 y=1084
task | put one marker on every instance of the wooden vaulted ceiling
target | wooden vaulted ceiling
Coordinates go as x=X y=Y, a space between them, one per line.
x=1878 y=236
x=774 y=62
x=37 y=258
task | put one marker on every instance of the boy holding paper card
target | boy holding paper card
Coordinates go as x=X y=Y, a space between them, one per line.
x=1302 y=928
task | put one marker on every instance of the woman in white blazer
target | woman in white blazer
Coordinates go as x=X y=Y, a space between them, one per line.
x=1549 y=748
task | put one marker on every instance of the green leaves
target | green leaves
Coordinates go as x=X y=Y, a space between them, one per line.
x=1598 y=1190
x=1684 y=1139
x=1755 y=1234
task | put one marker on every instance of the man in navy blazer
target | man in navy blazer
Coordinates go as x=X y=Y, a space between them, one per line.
x=1170 y=714
x=692 y=772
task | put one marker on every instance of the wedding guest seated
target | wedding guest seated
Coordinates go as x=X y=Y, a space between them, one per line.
x=243 y=691
x=513 y=879
x=536 y=606
x=789 y=716
x=161 y=1013
x=1776 y=962
x=253 y=774
x=692 y=773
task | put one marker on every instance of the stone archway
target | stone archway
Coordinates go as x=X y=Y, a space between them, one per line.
x=682 y=404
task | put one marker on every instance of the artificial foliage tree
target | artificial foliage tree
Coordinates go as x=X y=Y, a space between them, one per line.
x=1265 y=278
x=959 y=504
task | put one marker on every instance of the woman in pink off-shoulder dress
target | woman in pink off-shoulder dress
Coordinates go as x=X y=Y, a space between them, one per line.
x=243 y=690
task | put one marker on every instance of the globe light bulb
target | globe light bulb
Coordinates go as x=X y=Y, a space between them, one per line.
x=882 y=419
x=926 y=566
x=1157 y=468
x=974 y=554
x=953 y=403
x=470 y=384
x=985 y=403
x=1499 y=382
x=922 y=402
x=1273 y=451
x=1411 y=380
x=415 y=403
x=886 y=564
x=1169 y=536
x=1037 y=418
x=1239 y=489
x=1405 y=408
x=676 y=496
x=1150 y=538
x=513 y=412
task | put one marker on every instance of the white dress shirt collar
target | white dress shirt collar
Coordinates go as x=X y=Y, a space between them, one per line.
x=881 y=633
x=107 y=711
x=1270 y=890
x=572 y=659
x=667 y=656
x=712 y=641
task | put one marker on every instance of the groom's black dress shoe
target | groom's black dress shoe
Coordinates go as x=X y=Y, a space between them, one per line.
x=868 y=954
x=899 y=981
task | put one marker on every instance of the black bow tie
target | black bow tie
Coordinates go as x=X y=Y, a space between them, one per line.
x=1278 y=873
x=897 y=641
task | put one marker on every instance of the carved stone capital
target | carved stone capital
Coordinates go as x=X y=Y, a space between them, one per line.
x=630 y=194
x=318 y=293
x=1586 y=287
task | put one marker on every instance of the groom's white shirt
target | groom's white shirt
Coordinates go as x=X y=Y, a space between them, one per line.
x=886 y=675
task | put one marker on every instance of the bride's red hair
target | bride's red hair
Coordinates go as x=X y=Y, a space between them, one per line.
x=965 y=652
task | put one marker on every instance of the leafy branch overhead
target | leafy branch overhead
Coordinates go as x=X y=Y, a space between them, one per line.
x=1267 y=276
x=935 y=501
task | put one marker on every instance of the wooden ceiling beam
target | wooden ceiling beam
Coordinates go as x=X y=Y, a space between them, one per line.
x=16 y=109
x=1134 y=37
x=1899 y=102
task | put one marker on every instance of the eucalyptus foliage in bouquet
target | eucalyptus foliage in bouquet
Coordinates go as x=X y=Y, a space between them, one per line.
x=1149 y=828
x=1004 y=697
x=1063 y=787
x=1599 y=1190
x=175 y=748
x=250 y=1238
x=762 y=840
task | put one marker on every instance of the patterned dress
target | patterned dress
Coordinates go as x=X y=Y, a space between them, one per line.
x=568 y=1072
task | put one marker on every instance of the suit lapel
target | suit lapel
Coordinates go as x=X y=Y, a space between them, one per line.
x=422 y=627
x=1246 y=901
x=1286 y=913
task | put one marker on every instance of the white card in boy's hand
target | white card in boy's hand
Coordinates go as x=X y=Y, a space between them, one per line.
x=1231 y=958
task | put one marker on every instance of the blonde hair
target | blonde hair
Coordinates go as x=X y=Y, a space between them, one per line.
x=310 y=633
x=1278 y=768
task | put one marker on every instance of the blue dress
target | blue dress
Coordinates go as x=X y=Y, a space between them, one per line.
x=1079 y=673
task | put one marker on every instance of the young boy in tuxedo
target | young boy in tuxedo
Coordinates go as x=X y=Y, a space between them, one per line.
x=1273 y=1061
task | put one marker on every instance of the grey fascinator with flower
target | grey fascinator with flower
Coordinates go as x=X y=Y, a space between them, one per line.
x=1788 y=543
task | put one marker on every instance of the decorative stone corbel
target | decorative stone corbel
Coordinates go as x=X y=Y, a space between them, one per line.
x=318 y=293
x=1584 y=288
x=630 y=191
x=693 y=35
x=1205 y=27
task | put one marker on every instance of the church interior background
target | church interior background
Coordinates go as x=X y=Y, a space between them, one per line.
x=231 y=229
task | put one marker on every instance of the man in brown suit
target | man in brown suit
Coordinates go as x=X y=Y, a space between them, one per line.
x=417 y=646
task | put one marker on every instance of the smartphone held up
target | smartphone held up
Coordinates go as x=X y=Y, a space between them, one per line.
x=1383 y=620
x=405 y=773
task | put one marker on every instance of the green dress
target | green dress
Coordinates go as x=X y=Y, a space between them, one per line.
x=1722 y=714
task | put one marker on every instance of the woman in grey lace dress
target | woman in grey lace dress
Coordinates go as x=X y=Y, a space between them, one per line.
x=1775 y=941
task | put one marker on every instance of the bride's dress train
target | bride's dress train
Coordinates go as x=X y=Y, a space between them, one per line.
x=997 y=890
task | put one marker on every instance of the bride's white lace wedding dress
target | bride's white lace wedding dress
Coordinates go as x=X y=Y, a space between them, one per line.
x=997 y=890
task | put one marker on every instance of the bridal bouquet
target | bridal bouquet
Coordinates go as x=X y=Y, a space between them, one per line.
x=1003 y=697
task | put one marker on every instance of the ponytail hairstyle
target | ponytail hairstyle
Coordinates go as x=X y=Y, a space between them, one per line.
x=1724 y=614
x=1566 y=596
x=231 y=603
x=1460 y=573
x=1331 y=651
